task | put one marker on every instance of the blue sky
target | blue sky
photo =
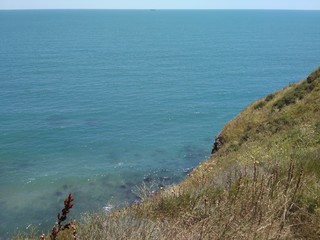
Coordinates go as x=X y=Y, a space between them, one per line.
x=160 y=4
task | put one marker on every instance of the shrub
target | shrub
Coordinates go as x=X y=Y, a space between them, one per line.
x=269 y=97
x=259 y=105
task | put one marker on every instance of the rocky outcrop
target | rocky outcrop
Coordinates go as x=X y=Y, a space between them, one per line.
x=218 y=142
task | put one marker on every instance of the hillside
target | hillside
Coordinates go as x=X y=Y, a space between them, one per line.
x=261 y=182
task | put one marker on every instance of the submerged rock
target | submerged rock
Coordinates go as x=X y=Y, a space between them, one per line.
x=58 y=193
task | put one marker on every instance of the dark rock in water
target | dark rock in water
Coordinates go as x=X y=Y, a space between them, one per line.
x=123 y=186
x=129 y=184
x=58 y=193
x=147 y=179
x=187 y=170
x=164 y=178
x=218 y=142
x=129 y=195
x=65 y=187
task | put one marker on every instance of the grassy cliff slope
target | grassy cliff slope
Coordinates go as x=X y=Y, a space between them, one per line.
x=261 y=182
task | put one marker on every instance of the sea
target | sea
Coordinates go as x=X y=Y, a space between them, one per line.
x=101 y=103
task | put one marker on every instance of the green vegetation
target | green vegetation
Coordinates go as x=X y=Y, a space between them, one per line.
x=297 y=92
x=263 y=183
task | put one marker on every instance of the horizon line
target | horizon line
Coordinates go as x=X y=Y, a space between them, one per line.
x=159 y=9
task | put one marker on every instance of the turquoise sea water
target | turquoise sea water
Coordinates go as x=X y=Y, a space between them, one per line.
x=96 y=102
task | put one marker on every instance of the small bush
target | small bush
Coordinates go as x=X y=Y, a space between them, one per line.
x=259 y=105
x=285 y=101
x=269 y=97
x=234 y=146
